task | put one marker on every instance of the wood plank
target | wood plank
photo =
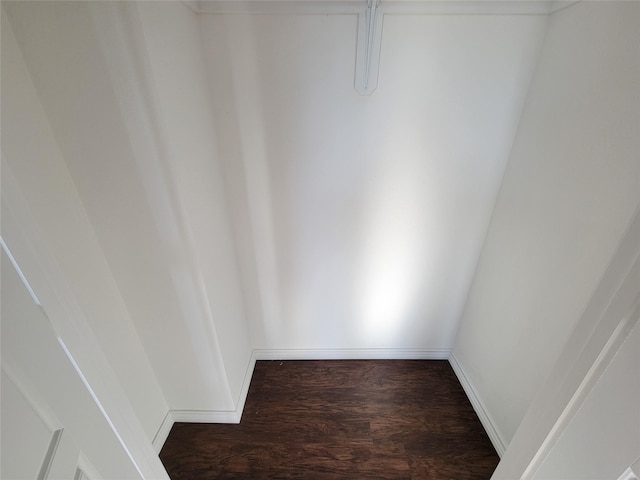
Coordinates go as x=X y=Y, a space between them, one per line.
x=341 y=419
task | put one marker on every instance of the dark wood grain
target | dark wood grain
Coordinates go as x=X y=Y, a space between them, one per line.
x=340 y=419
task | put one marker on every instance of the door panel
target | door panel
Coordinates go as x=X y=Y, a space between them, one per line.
x=35 y=356
x=25 y=436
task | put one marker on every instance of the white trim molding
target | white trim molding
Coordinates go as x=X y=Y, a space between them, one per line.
x=353 y=354
x=619 y=335
x=163 y=432
x=370 y=15
x=30 y=393
x=410 y=7
x=49 y=456
x=89 y=472
x=191 y=416
x=628 y=475
x=244 y=390
x=206 y=416
x=632 y=473
x=235 y=416
x=489 y=424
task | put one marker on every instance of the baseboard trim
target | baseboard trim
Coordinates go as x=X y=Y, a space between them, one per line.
x=483 y=414
x=353 y=354
x=192 y=416
x=163 y=432
x=234 y=416
x=206 y=416
x=242 y=398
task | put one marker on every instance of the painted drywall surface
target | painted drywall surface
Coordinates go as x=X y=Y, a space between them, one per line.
x=32 y=349
x=29 y=148
x=174 y=45
x=569 y=192
x=603 y=439
x=366 y=213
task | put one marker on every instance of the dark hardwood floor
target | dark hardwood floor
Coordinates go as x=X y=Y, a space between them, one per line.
x=341 y=419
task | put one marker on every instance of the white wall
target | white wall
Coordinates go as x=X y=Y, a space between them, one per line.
x=568 y=195
x=33 y=162
x=172 y=36
x=364 y=216
x=603 y=439
x=342 y=222
x=125 y=96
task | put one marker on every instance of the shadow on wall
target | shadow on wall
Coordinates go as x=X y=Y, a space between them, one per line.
x=359 y=219
x=239 y=119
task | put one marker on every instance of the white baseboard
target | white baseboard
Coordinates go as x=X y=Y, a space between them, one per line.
x=234 y=416
x=206 y=416
x=353 y=354
x=483 y=414
x=191 y=416
x=163 y=432
x=248 y=374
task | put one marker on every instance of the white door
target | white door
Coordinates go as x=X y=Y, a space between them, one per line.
x=51 y=426
x=26 y=436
